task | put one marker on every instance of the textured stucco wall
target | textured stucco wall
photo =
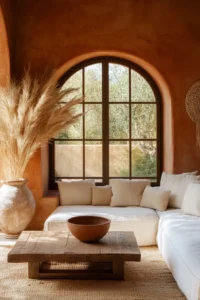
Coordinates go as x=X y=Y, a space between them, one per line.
x=163 y=33
x=5 y=39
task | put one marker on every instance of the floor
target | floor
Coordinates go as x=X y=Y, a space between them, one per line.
x=149 y=279
x=6 y=242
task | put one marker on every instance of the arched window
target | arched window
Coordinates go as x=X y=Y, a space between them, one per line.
x=119 y=135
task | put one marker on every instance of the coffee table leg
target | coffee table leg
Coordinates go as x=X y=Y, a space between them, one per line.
x=117 y=272
x=118 y=269
x=33 y=270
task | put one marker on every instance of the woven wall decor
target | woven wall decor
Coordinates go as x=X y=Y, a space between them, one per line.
x=192 y=104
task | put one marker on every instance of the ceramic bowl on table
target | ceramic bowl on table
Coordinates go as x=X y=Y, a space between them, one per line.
x=88 y=228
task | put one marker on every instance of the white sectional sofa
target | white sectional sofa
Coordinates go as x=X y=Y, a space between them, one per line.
x=143 y=221
x=178 y=240
x=176 y=234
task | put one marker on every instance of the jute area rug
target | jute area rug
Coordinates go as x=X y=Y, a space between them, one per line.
x=149 y=279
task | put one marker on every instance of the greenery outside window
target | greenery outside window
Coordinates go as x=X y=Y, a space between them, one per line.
x=119 y=135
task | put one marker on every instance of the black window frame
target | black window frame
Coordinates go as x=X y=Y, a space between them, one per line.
x=105 y=60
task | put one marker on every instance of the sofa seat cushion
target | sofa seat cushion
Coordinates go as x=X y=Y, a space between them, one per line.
x=143 y=221
x=179 y=242
x=168 y=212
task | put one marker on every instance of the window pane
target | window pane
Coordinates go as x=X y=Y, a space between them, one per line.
x=143 y=121
x=68 y=159
x=144 y=159
x=74 y=131
x=119 y=121
x=141 y=91
x=93 y=159
x=118 y=83
x=93 y=121
x=93 y=83
x=75 y=81
x=119 y=159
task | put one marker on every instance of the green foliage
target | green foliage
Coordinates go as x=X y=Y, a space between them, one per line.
x=93 y=124
x=143 y=163
x=145 y=166
x=119 y=121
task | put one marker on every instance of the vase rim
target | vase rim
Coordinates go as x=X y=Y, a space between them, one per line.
x=14 y=181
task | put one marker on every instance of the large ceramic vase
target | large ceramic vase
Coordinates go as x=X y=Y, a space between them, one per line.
x=17 y=207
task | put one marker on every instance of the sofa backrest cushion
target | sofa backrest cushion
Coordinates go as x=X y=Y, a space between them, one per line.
x=101 y=195
x=76 y=192
x=127 y=192
x=191 y=200
x=155 y=197
x=177 y=184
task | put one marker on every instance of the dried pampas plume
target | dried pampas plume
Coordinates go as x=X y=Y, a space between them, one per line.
x=31 y=114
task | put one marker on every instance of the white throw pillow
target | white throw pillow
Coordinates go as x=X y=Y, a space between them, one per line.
x=127 y=192
x=76 y=192
x=191 y=200
x=194 y=172
x=155 y=197
x=101 y=195
x=177 y=184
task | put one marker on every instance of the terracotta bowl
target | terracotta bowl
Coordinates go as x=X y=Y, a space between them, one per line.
x=88 y=228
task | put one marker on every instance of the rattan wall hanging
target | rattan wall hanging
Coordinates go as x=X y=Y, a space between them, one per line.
x=192 y=104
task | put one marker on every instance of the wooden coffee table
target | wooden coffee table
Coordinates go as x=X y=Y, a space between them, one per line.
x=102 y=260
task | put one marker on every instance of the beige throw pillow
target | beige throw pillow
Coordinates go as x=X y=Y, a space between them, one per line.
x=101 y=195
x=191 y=200
x=155 y=197
x=177 y=184
x=127 y=192
x=76 y=192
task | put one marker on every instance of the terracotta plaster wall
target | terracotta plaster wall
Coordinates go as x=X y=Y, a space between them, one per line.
x=163 y=33
x=7 y=47
x=5 y=41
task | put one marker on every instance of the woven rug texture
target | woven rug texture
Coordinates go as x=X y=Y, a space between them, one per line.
x=149 y=279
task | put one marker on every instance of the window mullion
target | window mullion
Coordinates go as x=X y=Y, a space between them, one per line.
x=83 y=94
x=130 y=125
x=105 y=120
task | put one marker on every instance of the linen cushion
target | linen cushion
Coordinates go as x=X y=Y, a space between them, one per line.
x=101 y=195
x=76 y=192
x=177 y=184
x=155 y=197
x=191 y=200
x=127 y=192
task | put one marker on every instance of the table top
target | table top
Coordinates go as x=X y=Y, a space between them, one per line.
x=34 y=246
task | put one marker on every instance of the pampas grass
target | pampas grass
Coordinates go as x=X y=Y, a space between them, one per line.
x=31 y=114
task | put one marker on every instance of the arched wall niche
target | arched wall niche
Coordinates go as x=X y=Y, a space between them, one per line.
x=4 y=60
x=4 y=52
x=168 y=145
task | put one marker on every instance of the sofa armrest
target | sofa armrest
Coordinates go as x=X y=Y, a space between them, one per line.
x=47 y=205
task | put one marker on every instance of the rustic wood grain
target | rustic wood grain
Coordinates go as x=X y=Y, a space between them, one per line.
x=33 y=270
x=106 y=258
